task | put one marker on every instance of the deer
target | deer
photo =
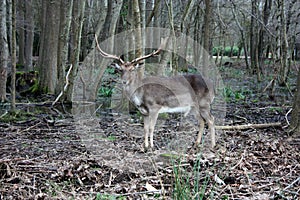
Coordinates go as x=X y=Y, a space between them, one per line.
x=152 y=95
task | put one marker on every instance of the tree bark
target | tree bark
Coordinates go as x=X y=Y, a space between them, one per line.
x=254 y=40
x=21 y=32
x=78 y=16
x=206 y=36
x=243 y=38
x=3 y=51
x=29 y=34
x=295 y=117
x=49 y=45
x=13 y=57
x=283 y=70
x=64 y=31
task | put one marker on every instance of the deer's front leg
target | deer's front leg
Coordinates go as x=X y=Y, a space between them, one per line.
x=153 y=118
x=211 y=125
x=146 y=130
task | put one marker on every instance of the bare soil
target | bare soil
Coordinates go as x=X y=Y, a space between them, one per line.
x=48 y=155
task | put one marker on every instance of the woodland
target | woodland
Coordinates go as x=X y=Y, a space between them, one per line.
x=67 y=131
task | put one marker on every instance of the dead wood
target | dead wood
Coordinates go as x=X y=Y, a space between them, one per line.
x=249 y=126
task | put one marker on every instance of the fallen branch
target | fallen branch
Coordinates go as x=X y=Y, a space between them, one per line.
x=249 y=126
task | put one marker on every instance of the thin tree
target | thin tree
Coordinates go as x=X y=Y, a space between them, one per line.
x=295 y=121
x=63 y=41
x=13 y=57
x=3 y=51
x=29 y=34
x=283 y=43
x=206 y=35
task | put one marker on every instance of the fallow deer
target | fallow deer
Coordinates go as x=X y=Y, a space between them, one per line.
x=156 y=94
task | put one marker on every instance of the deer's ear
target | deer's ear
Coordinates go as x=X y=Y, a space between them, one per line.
x=115 y=65
x=138 y=65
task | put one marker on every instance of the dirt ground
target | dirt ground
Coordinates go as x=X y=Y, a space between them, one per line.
x=53 y=156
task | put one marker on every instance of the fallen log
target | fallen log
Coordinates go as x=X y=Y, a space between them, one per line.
x=249 y=126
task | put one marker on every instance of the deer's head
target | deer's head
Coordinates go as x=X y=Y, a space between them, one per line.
x=129 y=69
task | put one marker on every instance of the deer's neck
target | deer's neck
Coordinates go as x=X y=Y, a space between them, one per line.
x=134 y=89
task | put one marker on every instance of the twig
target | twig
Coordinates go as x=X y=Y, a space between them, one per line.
x=290 y=185
x=242 y=158
x=65 y=87
x=10 y=160
x=4 y=114
x=288 y=112
x=269 y=84
x=31 y=127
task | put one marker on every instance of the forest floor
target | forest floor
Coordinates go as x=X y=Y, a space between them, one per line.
x=48 y=155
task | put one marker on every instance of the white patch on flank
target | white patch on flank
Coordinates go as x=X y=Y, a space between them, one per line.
x=137 y=100
x=184 y=109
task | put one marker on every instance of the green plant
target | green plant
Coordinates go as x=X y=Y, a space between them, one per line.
x=217 y=50
x=226 y=51
x=230 y=94
x=110 y=70
x=105 y=91
x=187 y=185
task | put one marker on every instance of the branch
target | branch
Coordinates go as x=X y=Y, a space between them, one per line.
x=249 y=126
x=65 y=87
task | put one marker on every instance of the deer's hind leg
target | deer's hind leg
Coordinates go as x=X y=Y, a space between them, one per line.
x=149 y=125
x=209 y=119
x=201 y=129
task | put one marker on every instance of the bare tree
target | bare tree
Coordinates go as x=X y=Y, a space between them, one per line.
x=283 y=43
x=254 y=39
x=242 y=32
x=3 y=51
x=295 y=122
x=91 y=71
x=63 y=41
x=49 y=45
x=29 y=34
x=206 y=35
x=13 y=57
x=77 y=23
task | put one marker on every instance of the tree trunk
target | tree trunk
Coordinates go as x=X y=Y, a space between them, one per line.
x=253 y=36
x=138 y=33
x=3 y=51
x=29 y=34
x=91 y=71
x=283 y=70
x=206 y=36
x=243 y=39
x=295 y=121
x=21 y=31
x=78 y=17
x=197 y=37
x=13 y=57
x=101 y=20
x=64 y=30
x=48 y=51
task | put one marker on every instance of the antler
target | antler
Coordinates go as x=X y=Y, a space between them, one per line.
x=106 y=55
x=154 y=53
